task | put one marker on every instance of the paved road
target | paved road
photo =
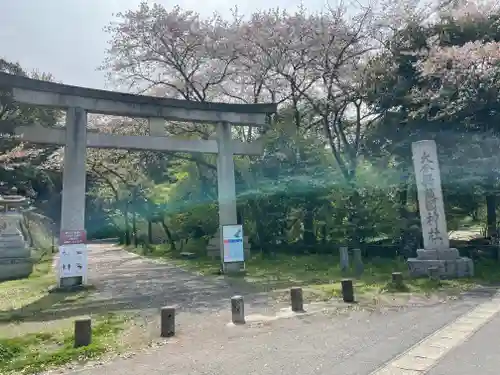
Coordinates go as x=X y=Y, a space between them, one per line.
x=331 y=342
x=478 y=355
x=354 y=343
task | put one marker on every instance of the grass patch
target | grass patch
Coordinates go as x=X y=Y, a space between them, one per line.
x=26 y=297
x=33 y=337
x=41 y=345
x=35 y=352
x=15 y=294
x=321 y=274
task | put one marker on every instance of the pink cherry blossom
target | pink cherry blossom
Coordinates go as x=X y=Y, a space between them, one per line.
x=462 y=75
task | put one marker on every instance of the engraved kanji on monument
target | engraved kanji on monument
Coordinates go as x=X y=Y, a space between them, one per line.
x=436 y=251
x=430 y=196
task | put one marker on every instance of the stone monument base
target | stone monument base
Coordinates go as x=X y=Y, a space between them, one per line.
x=234 y=268
x=449 y=263
x=15 y=268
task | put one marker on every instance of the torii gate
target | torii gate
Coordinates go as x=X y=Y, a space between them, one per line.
x=78 y=101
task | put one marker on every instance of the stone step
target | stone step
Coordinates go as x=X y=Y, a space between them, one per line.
x=12 y=241
x=442 y=254
x=14 y=268
x=15 y=252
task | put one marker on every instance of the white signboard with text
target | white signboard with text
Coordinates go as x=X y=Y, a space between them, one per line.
x=232 y=237
x=73 y=255
x=73 y=261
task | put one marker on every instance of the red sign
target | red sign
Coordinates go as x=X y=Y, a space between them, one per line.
x=72 y=237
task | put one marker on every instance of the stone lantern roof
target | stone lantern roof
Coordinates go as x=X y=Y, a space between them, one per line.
x=11 y=201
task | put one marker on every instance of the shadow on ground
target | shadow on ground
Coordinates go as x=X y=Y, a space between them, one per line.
x=127 y=282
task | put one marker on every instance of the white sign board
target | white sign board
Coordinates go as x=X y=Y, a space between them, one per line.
x=73 y=261
x=232 y=237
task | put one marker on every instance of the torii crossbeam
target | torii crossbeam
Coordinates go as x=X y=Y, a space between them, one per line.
x=75 y=137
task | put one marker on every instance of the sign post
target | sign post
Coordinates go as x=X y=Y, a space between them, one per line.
x=72 y=256
x=233 y=251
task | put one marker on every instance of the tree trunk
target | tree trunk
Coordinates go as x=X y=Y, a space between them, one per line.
x=355 y=234
x=403 y=215
x=150 y=232
x=403 y=201
x=127 y=225
x=491 y=214
x=309 y=235
x=239 y=217
x=411 y=235
x=169 y=235
x=259 y=228
x=134 y=228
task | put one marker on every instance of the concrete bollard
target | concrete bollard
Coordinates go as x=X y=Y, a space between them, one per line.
x=347 y=290
x=344 y=259
x=433 y=273
x=167 y=321
x=397 y=280
x=83 y=332
x=297 y=299
x=238 y=310
x=358 y=262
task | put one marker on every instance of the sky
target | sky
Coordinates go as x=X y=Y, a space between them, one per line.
x=66 y=37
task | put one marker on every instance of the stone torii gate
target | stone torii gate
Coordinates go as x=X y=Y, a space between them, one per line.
x=75 y=137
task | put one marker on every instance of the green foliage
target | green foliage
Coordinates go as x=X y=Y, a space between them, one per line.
x=337 y=162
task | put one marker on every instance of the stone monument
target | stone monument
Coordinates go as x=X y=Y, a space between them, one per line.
x=436 y=251
x=15 y=255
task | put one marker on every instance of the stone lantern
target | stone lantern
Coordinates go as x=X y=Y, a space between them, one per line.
x=15 y=255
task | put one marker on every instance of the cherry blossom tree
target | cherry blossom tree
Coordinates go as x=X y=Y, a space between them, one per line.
x=465 y=79
x=314 y=65
x=173 y=53
x=439 y=79
x=21 y=163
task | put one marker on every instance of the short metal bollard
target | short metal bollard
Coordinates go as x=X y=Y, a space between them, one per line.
x=238 y=310
x=297 y=299
x=433 y=273
x=347 y=290
x=83 y=332
x=397 y=279
x=167 y=321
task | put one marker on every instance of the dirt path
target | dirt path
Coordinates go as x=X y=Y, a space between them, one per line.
x=127 y=281
x=465 y=234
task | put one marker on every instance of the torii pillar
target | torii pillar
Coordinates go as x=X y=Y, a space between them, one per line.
x=74 y=180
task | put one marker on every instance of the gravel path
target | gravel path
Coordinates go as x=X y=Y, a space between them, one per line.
x=128 y=281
